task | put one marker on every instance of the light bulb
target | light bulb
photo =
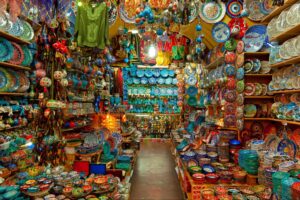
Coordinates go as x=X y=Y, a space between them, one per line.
x=152 y=51
x=79 y=3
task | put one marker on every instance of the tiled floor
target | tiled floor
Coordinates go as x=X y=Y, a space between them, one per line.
x=154 y=175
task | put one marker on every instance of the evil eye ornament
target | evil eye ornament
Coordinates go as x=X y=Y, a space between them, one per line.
x=198 y=27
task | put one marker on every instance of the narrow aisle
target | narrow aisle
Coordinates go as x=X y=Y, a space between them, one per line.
x=154 y=175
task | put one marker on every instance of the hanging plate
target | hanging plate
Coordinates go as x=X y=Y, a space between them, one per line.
x=112 y=13
x=255 y=13
x=234 y=8
x=17 y=28
x=212 y=12
x=3 y=80
x=288 y=147
x=192 y=91
x=159 y=4
x=255 y=38
x=127 y=10
x=220 y=32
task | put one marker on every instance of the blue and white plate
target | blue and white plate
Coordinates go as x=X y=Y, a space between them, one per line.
x=168 y=81
x=171 y=73
x=192 y=80
x=152 y=81
x=174 y=81
x=140 y=73
x=156 y=73
x=148 y=73
x=220 y=32
x=240 y=73
x=144 y=80
x=164 y=73
x=161 y=81
x=255 y=38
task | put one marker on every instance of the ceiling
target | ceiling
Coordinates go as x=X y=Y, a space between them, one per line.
x=187 y=30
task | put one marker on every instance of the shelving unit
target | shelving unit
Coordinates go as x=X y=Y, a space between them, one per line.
x=259 y=97
x=261 y=55
x=285 y=91
x=288 y=62
x=257 y=119
x=12 y=128
x=13 y=94
x=258 y=75
x=215 y=63
x=13 y=38
x=75 y=128
x=290 y=33
x=5 y=64
x=277 y=11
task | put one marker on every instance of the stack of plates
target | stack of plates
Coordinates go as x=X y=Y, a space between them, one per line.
x=277 y=177
x=249 y=161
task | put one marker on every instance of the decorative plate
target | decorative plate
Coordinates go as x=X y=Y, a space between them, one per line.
x=240 y=86
x=220 y=32
x=15 y=80
x=192 y=162
x=240 y=73
x=230 y=70
x=234 y=8
x=192 y=91
x=248 y=66
x=164 y=73
x=28 y=32
x=271 y=142
x=17 y=28
x=189 y=71
x=240 y=47
x=240 y=99
x=18 y=55
x=230 y=45
x=192 y=101
x=3 y=80
x=6 y=50
x=240 y=60
x=148 y=73
x=230 y=108
x=212 y=12
x=168 y=81
x=231 y=83
x=193 y=8
x=158 y=4
x=3 y=21
x=255 y=38
x=265 y=67
x=174 y=81
x=127 y=10
x=156 y=73
x=254 y=10
x=264 y=90
x=144 y=80
x=136 y=81
x=239 y=23
x=140 y=73
x=258 y=89
x=230 y=120
x=256 y=65
x=249 y=89
x=161 y=81
x=27 y=56
x=250 y=110
x=192 y=80
x=288 y=147
x=171 y=73
x=266 y=7
x=230 y=96
x=129 y=81
x=240 y=124
x=240 y=112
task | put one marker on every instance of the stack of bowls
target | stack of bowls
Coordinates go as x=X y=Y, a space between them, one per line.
x=249 y=161
x=286 y=184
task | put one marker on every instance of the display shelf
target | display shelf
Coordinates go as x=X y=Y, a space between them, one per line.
x=13 y=38
x=286 y=121
x=12 y=128
x=257 y=119
x=290 y=33
x=278 y=10
x=261 y=55
x=215 y=63
x=5 y=64
x=258 y=75
x=259 y=97
x=75 y=128
x=13 y=94
x=285 y=91
x=230 y=129
x=288 y=62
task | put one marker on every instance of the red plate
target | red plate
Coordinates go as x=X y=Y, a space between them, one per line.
x=241 y=23
x=249 y=89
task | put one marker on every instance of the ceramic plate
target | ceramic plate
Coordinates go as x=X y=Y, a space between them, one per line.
x=271 y=142
x=156 y=73
x=240 y=86
x=212 y=12
x=161 y=81
x=240 y=73
x=255 y=13
x=265 y=67
x=249 y=89
x=230 y=96
x=258 y=89
x=127 y=10
x=256 y=65
x=140 y=73
x=240 y=60
x=174 y=81
x=148 y=73
x=221 y=32
x=250 y=110
x=3 y=80
x=248 y=66
x=168 y=81
x=192 y=80
x=192 y=91
x=240 y=47
x=17 y=28
x=234 y=8
x=192 y=101
x=144 y=80
x=28 y=33
x=164 y=73
x=288 y=147
x=255 y=38
x=230 y=70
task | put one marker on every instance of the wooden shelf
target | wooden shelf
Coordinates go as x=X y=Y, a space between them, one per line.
x=13 y=94
x=285 y=91
x=288 y=62
x=257 y=119
x=286 y=121
x=290 y=33
x=12 y=128
x=278 y=10
x=258 y=75
x=13 y=38
x=75 y=128
x=5 y=64
x=259 y=97
x=215 y=63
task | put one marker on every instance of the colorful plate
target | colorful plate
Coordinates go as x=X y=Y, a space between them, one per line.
x=255 y=38
x=220 y=32
x=192 y=91
x=234 y=8
x=250 y=110
x=255 y=13
x=127 y=10
x=212 y=12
